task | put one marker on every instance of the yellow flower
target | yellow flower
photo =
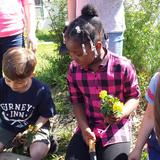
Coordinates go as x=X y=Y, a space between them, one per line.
x=110 y=105
x=102 y=94
x=117 y=107
x=30 y=128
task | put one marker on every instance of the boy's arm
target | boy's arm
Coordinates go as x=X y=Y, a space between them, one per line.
x=82 y=123
x=40 y=122
x=21 y=137
x=29 y=9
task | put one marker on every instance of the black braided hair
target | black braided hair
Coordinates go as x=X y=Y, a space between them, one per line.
x=86 y=27
x=89 y=11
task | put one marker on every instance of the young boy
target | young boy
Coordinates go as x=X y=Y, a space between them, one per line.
x=24 y=101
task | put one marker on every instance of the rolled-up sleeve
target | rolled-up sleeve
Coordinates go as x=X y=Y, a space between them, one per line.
x=131 y=87
x=74 y=91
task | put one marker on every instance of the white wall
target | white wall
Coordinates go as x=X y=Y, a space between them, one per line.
x=43 y=20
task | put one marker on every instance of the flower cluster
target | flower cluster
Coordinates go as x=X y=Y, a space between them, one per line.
x=110 y=105
x=30 y=133
x=24 y=138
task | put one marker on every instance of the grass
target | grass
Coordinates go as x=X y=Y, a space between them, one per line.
x=45 y=53
x=44 y=36
x=50 y=71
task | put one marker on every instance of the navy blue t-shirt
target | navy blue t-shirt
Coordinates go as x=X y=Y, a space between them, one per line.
x=18 y=110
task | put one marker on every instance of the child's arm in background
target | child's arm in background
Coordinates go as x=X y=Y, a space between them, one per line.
x=146 y=127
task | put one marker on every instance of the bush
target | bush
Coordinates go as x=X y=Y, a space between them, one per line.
x=52 y=67
x=57 y=14
x=44 y=36
x=142 y=35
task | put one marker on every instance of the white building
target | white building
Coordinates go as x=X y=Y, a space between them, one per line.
x=42 y=16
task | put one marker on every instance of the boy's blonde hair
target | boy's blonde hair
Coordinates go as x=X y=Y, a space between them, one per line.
x=18 y=63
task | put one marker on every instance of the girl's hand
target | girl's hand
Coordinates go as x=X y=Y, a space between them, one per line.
x=87 y=135
x=135 y=154
x=112 y=119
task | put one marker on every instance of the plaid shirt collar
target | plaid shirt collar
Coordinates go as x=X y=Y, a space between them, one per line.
x=103 y=62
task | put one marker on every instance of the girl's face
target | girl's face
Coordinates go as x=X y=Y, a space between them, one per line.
x=76 y=53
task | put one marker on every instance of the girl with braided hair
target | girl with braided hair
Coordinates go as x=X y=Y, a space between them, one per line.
x=94 y=68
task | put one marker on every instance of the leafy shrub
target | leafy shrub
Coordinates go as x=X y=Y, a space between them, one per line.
x=144 y=156
x=51 y=67
x=44 y=36
x=143 y=79
x=57 y=14
x=142 y=35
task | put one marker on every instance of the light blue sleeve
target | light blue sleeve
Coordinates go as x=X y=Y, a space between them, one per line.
x=150 y=94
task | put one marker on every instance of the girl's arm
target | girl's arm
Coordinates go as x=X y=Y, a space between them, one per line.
x=146 y=127
x=29 y=9
x=130 y=106
x=82 y=123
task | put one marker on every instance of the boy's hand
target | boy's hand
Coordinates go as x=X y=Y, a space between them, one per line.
x=87 y=135
x=20 y=138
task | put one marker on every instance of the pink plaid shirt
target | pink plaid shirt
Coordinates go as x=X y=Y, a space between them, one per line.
x=116 y=75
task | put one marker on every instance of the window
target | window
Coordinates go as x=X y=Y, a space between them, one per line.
x=39 y=8
x=38 y=2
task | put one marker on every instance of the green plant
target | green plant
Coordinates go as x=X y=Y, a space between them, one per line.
x=141 y=43
x=144 y=156
x=143 y=79
x=110 y=105
x=52 y=67
x=57 y=14
x=44 y=36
